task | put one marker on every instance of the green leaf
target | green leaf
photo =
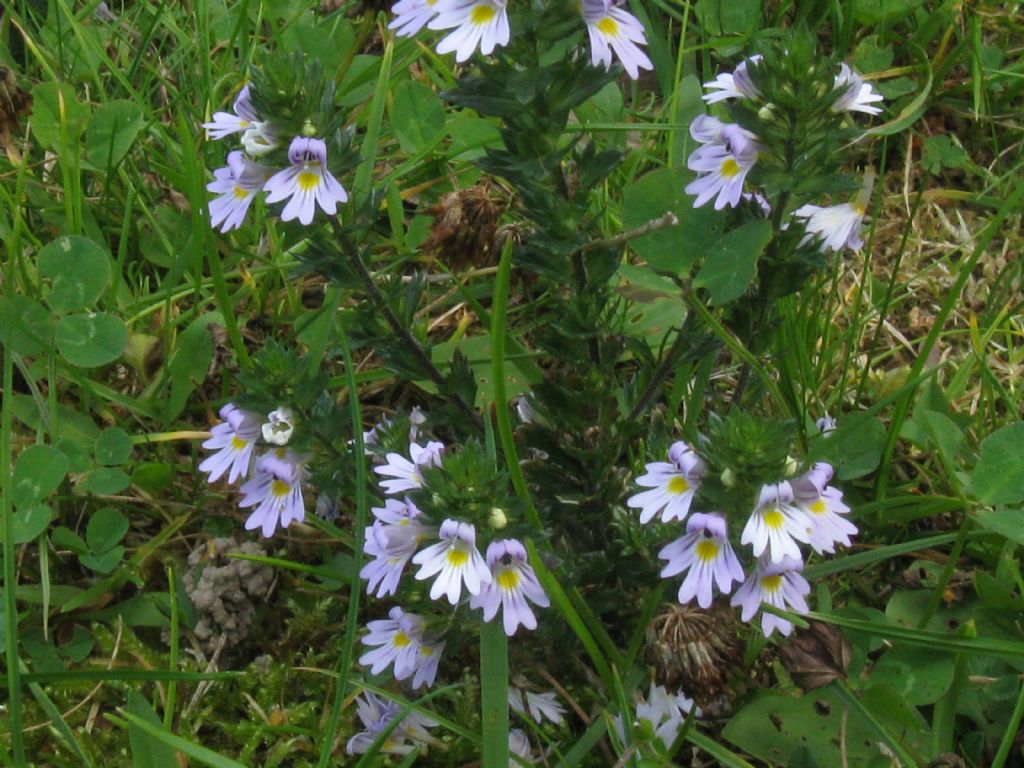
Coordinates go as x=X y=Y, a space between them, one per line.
x=147 y=750
x=417 y=116
x=941 y=152
x=152 y=478
x=30 y=325
x=79 y=272
x=193 y=352
x=91 y=340
x=105 y=562
x=52 y=104
x=113 y=447
x=103 y=481
x=37 y=473
x=29 y=523
x=107 y=527
x=655 y=303
x=732 y=262
x=196 y=752
x=1006 y=522
x=673 y=250
x=111 y=133
x=917 y=676
x=65 y=538
x=998 y=477
x=855 y=448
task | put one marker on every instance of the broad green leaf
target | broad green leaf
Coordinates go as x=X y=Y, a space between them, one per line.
x=1007 y=522
x=91 y=340
x=53 y=104
x=79 y=272
x=111 y=132
x=152 y=478
x=417 y=116
x=29 y=523
x=106 y=527
x=732 y=262
x=113 y=447
x=855 y=448
x=917 y=675
x=672 y=250
x=105 y=562
x=37 y=473
x=147 y=751
x=103 y=481
x=998 y=477
x=30 y=324
x=655 y=303
x=65 y=538
x=193 y=352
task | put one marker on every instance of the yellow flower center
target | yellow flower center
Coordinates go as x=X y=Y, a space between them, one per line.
x=279 y=488
x=819 y=507
x=707 y=550
x=608 y=26
x=508 y=580
x=678 y=485
x=771 y=583
x=240 y=193
x=308 y=181
x=401 y=639
x=238 y=444
x=481 y=14
x=457 y=557
x=729 y=168
x=774 y=519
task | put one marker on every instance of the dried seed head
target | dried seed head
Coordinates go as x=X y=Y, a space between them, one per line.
x=695 y=650
x=465 y=224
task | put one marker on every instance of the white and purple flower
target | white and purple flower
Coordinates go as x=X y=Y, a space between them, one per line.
x=395 y=641
x=454 y=560
x=706 y=556
x=513 y=586
x=226 y=123
x=236 y=186
x=824 y=507
x=392 y=540
x=854 y=94
x=722 y=163
x=275 y=489
x=377 y=714
x=307 y=183
x=482 y=23
x=673 y=485
x=776 y=584
x=234 y=441
x=406 y=473
x=776 y=524
x=733 y=85
x=613 y=29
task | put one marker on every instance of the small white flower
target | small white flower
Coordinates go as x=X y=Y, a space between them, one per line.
x=234 y=440
x=707 y=557
x=307 y=184
x=837 y=226
x=722 y=163
x=258 y=139
x=733 y=85
x=455 y=559
x=663 y=712
x=407 y=473
x=278 y=430
x=536 y=705
x=396 y=640
x=237 y=185
x=513 y=583
x=673 y=485
x=519 y=745
x=426 y=666
x=613 y=29
x=412 y=15
x=226 y=123
x=824 y=507
x=776 y=525
x=856 y=95
x=392 y=540
x=476 y=22
x=777 y=584
x=377 y=714
x=275 y=489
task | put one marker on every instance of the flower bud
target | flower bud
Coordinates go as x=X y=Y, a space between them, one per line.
x=497 y=519
x=728 y=478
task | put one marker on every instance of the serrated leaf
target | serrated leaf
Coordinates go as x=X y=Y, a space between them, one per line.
x=37 y=473
x=732 y=262
x=998 y=477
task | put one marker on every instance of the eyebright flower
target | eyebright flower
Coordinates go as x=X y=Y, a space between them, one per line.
x=611 y=28
x=512 y=583
x=237 y=185
x=412 y=15
x=392 y=540
x=733 y=85
x=275 y=489
x=519 y=745
x=722 y=163
x=837 y=226
x=234 y=440
x=536 y=705
x=663 y=712
x=826 y=425
x=456 y=560
x=777 y=584
x=776 y=525
x=706 y=554
x=673 y=485
x=397 y=640
x=307 y=183
x=377 y=714
x=279 y=427
x=407 y=473
x=426 y=665
x=259 y=139
x=226 y=123
x=824 y=507
x=477 y=22
x=856 y=95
